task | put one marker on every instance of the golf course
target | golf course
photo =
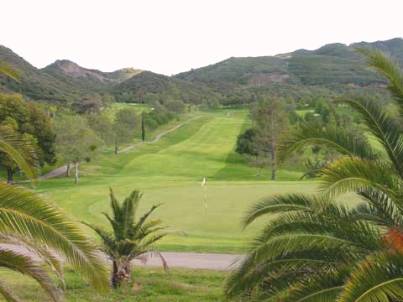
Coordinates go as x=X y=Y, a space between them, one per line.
x=170 y=172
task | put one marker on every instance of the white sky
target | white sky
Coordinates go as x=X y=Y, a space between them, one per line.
x=170 y=36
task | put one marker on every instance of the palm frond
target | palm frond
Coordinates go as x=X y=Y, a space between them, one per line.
x=338 y=139
x=389 y=69
x=349 y=174
x=25 y=213
x=24 y=264
x=322 y=287
x=279 y=204
x=7 y=293
x=10 y=145
x=384 y=127
x=38 y=250
x=381 y=209
x=377 y=278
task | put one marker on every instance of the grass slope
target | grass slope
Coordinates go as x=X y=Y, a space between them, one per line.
x=170 y=172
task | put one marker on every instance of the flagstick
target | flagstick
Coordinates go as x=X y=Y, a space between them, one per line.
x=203 y=184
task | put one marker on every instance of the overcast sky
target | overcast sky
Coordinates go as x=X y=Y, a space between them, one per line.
x=170 y=36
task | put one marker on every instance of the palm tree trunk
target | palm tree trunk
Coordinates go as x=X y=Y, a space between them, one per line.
x=121 y=273
x=10 y=175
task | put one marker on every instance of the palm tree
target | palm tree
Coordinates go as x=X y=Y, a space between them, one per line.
x=314 y=249
x=130 y=238
x=32 y=229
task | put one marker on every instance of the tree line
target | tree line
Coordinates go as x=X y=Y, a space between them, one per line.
x=49 y=134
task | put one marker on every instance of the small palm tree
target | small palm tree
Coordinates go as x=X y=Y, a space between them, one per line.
x=316 y=250
x=130 y=238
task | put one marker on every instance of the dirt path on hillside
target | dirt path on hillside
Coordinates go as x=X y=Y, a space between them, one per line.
x=61 y=171
x=158 y=136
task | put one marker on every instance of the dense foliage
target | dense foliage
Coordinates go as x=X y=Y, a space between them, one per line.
x=315 y=249
x=31 y=124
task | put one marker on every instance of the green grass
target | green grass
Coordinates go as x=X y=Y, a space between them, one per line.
x=302 y=112
x=115 y=107
x=149 y=285
x=170 y=172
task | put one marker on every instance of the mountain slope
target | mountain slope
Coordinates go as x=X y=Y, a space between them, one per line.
x=34 y=83
x=330 y=65
x=333 y=68
x=148 y=86
x=68 y=71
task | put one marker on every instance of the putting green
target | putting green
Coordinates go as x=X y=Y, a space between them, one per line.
x=200 y=218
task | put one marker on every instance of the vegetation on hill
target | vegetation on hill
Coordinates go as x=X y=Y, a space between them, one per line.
x=331 y=69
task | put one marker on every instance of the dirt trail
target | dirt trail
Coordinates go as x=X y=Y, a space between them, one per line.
x=62 y=170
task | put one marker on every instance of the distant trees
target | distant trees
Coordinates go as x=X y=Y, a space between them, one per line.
x=27 y=121
x=76 y=141
x=102 y=126
x=270 y=120
x=247 y=142
x=175 y=106
x=129 y=237
x=158 y=116
x=124 y=127
x=88 y=104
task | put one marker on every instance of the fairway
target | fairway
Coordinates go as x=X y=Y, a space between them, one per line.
x=170 y=172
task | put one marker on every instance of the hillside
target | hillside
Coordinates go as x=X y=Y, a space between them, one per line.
x=333 y=68
x=332 y=65
x=90 y=79
x=147 y=86
x=34 y=82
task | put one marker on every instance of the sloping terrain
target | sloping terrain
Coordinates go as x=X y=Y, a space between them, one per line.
x=201 y=218
x=329 y=65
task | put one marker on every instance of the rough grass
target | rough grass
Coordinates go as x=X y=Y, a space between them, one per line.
x=149 y=285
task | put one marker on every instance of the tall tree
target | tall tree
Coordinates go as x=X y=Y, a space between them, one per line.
x=129 y=238
x=102 y=126
x=88 y=104
x=124 y=127
x=143 y=128
x=271 y=121
x=75 y=141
